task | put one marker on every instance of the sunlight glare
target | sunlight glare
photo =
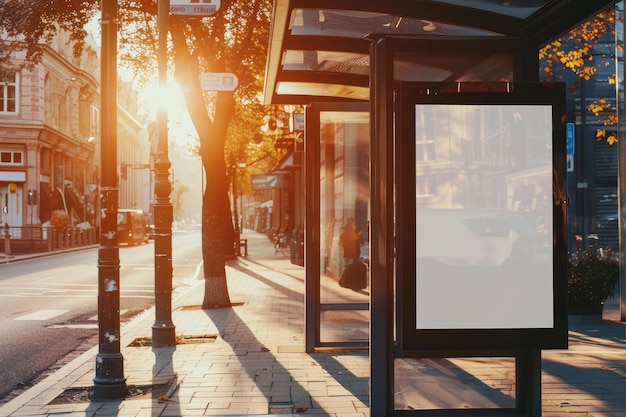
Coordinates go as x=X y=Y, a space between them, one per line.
x=153 y=98
x=170 y=99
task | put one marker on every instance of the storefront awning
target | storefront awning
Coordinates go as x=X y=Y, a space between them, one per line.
x=319 y=50
x=74 y=203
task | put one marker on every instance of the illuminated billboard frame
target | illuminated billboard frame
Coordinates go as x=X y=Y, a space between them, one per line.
x=480 y=199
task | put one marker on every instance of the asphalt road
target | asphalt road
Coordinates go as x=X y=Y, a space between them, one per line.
x=48 y=305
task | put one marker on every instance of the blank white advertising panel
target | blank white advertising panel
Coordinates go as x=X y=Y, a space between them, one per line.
x=483 y=216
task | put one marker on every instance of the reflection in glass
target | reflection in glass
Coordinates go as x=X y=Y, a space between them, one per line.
x=344 y=199
x=454 y=383
x=344 y=326
x=359 y=24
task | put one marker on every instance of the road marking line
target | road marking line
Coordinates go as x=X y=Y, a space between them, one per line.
x=42 y=315
x=88 y=326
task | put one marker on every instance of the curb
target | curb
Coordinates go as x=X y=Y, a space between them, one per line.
x=6 y=259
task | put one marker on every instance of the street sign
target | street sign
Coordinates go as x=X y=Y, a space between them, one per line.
x=194 y=7
x=297 y=121
x=569 y=160
x=218 y=81
x=267 y=181
x=569 y=138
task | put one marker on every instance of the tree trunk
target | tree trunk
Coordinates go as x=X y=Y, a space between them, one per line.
x=215 y=283
x=216 y=221
x=217 y=225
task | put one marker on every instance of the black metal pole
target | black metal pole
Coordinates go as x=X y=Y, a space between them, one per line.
x=163 y=330
x=109 y=381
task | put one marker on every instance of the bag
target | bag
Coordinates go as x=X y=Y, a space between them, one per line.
x=354 y=276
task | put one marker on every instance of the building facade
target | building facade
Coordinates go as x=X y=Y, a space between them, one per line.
x=592 y=181
x=49 y=141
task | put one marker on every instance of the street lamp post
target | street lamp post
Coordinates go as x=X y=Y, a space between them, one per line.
x=163 y=330
x=109 y=381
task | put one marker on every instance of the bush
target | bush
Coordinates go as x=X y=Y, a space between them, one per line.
x=592 y=276
x=59 y=218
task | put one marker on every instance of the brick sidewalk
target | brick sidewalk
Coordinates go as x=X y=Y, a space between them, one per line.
x=250 y=360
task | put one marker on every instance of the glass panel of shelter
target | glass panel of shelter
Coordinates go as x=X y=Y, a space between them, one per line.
x=343 y=152
x=344 y=220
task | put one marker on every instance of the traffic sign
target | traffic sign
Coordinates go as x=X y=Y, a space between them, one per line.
x=194 y=7
x=569 y=138
x=218 y=81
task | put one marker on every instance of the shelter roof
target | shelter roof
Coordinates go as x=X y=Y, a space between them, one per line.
x=319 y=49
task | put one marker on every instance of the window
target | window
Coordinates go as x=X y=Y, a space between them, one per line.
x=66 y=99
x=44 y=160
x=424 y=142
x=8 y=93
x=11 y=158
x=425 y=186
x=95 y=122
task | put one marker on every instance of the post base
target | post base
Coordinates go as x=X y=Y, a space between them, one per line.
x=110 y=391
x=163 y=334
x=109 y=382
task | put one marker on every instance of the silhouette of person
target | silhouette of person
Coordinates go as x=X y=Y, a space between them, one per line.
x=350 y=240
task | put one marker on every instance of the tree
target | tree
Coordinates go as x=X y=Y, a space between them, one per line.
x=178 y=189
x=233 y=40
x=574 y=52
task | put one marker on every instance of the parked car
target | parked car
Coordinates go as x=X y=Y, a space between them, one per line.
x=469 y=242
x=132 y=227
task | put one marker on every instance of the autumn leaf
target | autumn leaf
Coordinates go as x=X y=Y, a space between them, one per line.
x=612 y=139
x=595 y=108
x=611 y=119
x=600 y=133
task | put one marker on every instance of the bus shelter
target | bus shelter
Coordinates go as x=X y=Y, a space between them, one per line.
x=429 y=136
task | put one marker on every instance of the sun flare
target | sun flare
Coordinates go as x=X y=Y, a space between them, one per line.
x=170 y=98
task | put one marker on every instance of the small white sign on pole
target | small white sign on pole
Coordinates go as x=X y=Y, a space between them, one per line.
x=218 y=81
x=194 y=7
x=297 y=122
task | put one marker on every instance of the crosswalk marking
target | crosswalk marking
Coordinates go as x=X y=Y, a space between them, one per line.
x=87 y=326
x=42 y=315
x=52 y=291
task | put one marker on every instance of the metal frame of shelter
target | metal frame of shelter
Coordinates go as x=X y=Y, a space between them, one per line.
x=338 y=56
